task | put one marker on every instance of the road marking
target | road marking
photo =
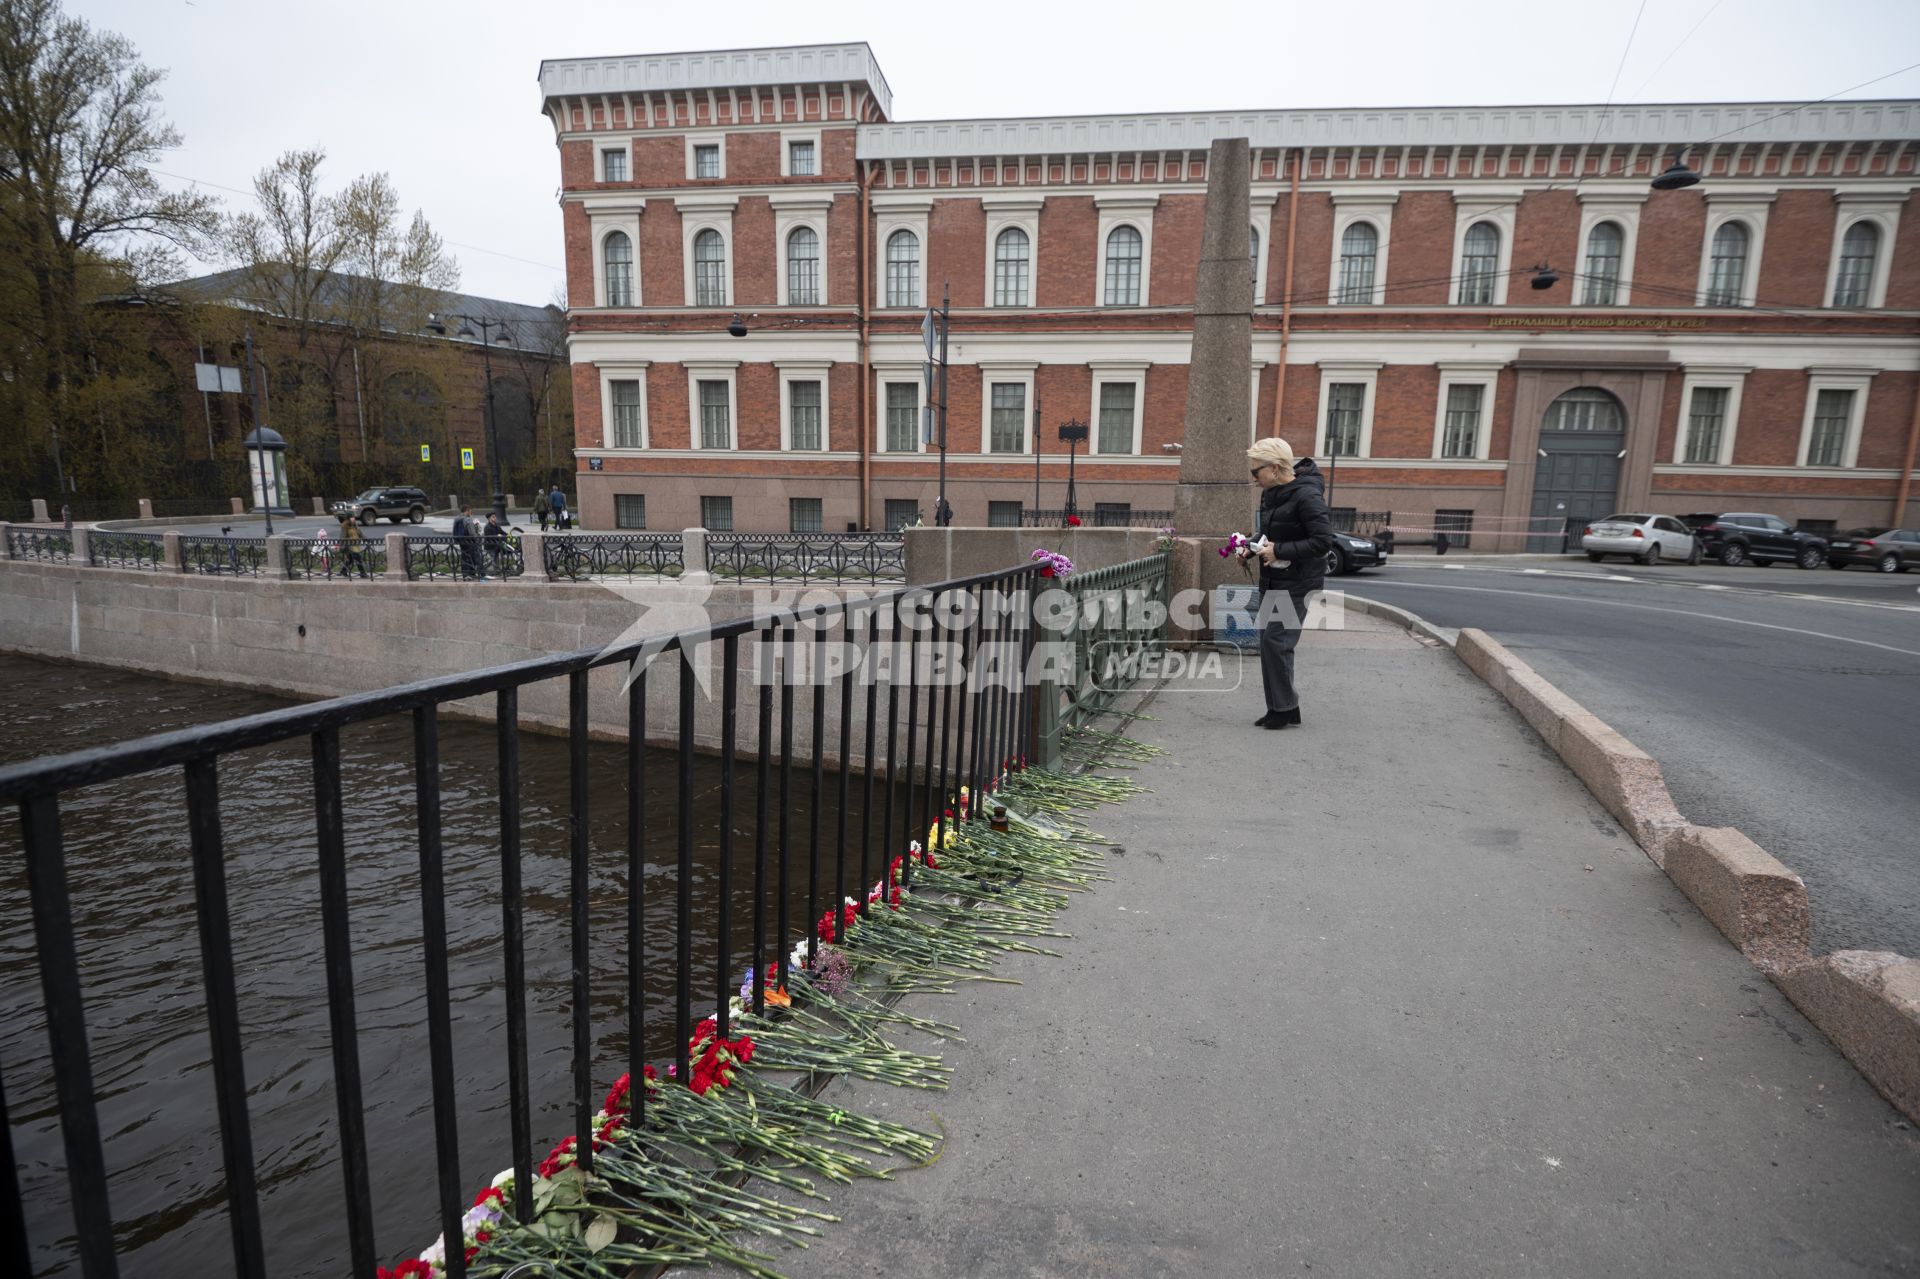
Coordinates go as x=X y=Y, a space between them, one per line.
x=1654 y=608
x=1691 y=586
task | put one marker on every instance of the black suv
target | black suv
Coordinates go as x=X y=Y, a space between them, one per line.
x=393 y=504
x=1743 y=537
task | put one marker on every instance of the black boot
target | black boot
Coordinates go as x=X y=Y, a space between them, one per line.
x=1272 y=719
x=1281 y=719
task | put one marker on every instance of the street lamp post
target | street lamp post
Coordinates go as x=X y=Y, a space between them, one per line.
x=1072 y=432
x=488 y=325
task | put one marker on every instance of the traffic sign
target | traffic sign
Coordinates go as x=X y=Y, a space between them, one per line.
x=466 y=459
x=426 y=452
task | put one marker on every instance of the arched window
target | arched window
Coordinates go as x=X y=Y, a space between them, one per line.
x=1584 y=408
x=1602 y=285
x=618 y=250
x=1727 y=265
x=1853 y=283
x=1011 y=258
x=709 y=269
x=1253 y=256
x=1479 y=260
x=803 y=267
x=1123 y=267
x=1359 y=250
x=903 y=269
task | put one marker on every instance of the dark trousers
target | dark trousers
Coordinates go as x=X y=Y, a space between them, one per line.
x=1278 y=638
x=354 y=561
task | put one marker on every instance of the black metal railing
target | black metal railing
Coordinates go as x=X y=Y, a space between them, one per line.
x=1093 y=517
x=232 y=556
x=1360 y=523
x=807 y=557
x=39 y=544
x=335 y=558
x=579 y=556
x=468 y=559
x=947 y=735
x=126 y=550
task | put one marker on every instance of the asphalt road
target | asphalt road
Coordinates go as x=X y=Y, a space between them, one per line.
x=1780 y=701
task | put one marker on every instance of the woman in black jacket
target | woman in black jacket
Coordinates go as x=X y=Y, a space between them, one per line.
x=1294 y=520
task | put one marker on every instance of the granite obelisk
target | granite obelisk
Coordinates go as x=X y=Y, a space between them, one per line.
x=1214 y=494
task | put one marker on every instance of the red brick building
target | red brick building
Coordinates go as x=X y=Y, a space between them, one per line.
x=1749 y=342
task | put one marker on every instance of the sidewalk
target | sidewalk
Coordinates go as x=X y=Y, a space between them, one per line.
x=1390 y=995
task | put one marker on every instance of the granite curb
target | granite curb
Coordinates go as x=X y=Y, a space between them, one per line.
x=1866 y=1002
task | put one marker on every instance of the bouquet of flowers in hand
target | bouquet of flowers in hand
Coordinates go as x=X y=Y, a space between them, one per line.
x=1052 y=563
x=1243 y=549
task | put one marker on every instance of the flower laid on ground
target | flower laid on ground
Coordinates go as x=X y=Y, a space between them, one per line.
x=1165 y=541
x=1073 y=521
x=1052 y=563
x=772 y=992
x=834 y=925
x=832 y=970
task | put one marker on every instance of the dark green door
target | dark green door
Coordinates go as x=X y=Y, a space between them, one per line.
x=1577 y=479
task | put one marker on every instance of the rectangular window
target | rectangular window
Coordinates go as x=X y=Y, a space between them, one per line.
x=625 y=393
x=903 y=417
x=803 y=514
x=1342 y=517
x=1003 y=514
x=1461 y=438
x=901 y=511
x=630 y=510
x=1831 y=413
x=1112 y=514
x=1345 y=401
x=706 y=160
x=1009 y=426
x=716 y=514
x=800 y=159
x=1116 y=417
x=804 y=415
x=1457 y=525
x=613 y=166
x=1706 y=423
x=716 y=418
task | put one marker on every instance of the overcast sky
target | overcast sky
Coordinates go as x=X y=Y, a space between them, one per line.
x=444 y=96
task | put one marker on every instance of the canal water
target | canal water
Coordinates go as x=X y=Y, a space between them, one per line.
x=131 y=877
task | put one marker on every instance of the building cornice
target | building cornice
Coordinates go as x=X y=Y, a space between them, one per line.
x=717 y=69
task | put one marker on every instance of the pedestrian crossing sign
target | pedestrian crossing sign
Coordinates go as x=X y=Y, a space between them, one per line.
x=466 y=459
x=426 y=452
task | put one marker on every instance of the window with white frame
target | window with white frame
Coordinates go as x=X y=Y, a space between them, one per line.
x=903 y=417
x=804 y=514
x=1466 y=402
x=1601 y=283
x=1012 y=257
x=716 y=414
x=1727 y=264
x=1003 y=514
x=1479 y=264
x=617 y=256
x=803 y=416
x=1123 y=266
x=1832 y=423
x=706 y=160
x=1007 y=431
x=709 y=269
x=1706 y=424
x=1118 y=404
x=901 y=512
x=630 y=510
x=801 y=159
x=625 y=396
x=1359 y=247
x=903 y=269
x=613 y=164
x=716 y=514
x=1346 y=403
x=803 y=267
x=1853 y=278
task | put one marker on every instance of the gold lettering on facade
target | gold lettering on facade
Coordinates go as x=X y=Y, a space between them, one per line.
x=1592 y=322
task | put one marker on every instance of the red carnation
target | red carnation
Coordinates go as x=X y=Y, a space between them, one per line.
x=491 y=1192
x=1073 y=521
x=413 y=1268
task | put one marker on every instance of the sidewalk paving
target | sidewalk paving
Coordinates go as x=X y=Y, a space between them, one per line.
x=1388 y=995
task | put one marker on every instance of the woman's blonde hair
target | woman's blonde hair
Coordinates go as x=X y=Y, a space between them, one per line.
x=1273 y=451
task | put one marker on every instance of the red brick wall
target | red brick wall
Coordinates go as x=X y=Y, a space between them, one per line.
x=1546 y=230
x=755 y=261
x=1066 y=391
x=837 y=155
x=1799 y=245
x=587 y=427
x=661 y=278
x=843 y=407
x=1500 y=442
x=575 y=230
x=1065 y=256
x=1772 y=402
x=957 y=254
x=1176 y=249
x=1303 y=402
x=667 y=419
x=753 y=157
x=660 y=162
x=1312 y=251
x=1903 y=286
x=576 y=163
x=1666 y=436
x=1403 y=407
x=1666 y=256
x=842 y=251
x=963 y=409
x=1420 y=250
x=1164 y=419
x=756 y=412
x=1883 y=435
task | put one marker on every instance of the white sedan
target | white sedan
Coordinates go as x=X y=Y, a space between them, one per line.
x=1645 y=538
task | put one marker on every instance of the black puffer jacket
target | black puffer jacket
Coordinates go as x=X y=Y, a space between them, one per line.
x=1307 y=469
x=1294 y=518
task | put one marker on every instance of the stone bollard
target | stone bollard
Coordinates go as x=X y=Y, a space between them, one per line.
x=40 y=515
x=693 y=551
x=509 y=498
x=397 y=556
x=6 y=543
x=239 y=507
x=170 y=551
x=319 y=505
x=533 y=556
x=146 y=508
x=277 y=555
x=82 y=552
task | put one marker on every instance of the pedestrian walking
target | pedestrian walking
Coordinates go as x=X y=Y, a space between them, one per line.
x=541 y=508
x=1293 y=564
x=353 y=545
x=558 y=502
x=466 y=536
x=495 y=534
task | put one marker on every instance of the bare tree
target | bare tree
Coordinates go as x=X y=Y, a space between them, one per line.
x=291 y=247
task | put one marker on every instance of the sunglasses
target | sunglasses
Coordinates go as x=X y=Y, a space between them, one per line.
x=1263 y=466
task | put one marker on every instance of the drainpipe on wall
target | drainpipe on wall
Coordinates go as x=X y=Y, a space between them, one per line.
x=860 y=276
x=1286 y=296
x=1899 y=517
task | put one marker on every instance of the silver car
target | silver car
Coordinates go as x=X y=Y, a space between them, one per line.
x=1645 y=538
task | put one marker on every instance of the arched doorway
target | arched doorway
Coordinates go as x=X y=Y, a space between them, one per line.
x=1582 y=435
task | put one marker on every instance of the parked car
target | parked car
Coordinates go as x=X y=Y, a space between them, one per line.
x=1646 y=538
x=1890 y=550
x=393 y=504
x=1746 y=537
x=1351 y=553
